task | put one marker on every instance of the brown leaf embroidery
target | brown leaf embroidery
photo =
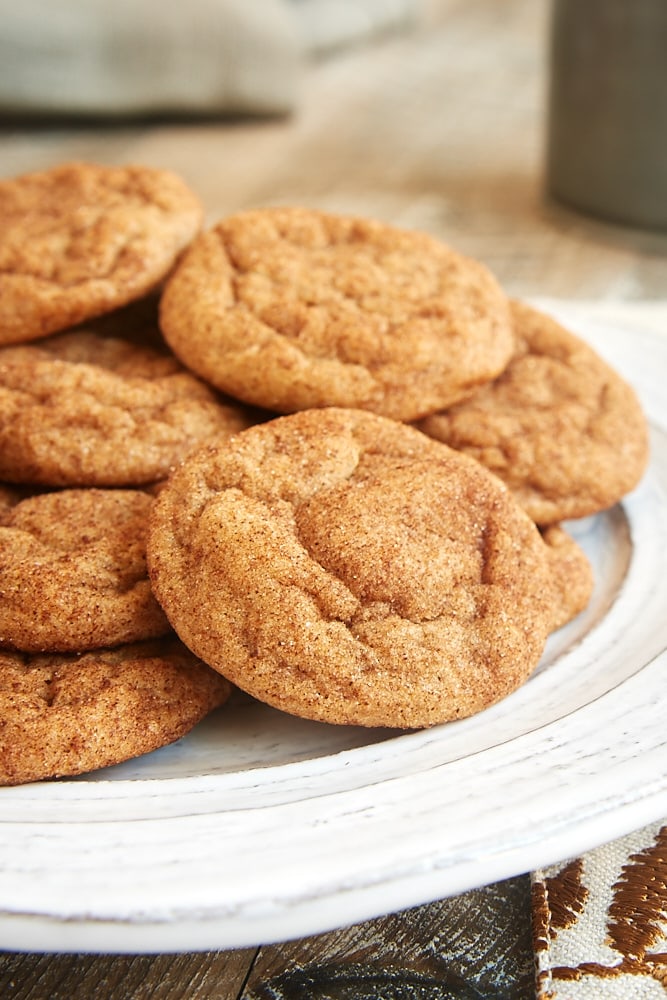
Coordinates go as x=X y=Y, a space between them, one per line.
x=557 y=901
x=541 y=916
x=637 y=919
x=565 y=896
x=638 y=911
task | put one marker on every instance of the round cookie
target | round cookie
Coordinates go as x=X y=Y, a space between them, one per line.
x=73 y=572
x=63 y=715
x=572 y=575
x=81 y=239
x=563 y=430
x=290 y=308
x=342 y=566
x=90 y=408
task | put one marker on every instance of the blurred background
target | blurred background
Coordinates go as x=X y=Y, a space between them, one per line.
x=425 y=113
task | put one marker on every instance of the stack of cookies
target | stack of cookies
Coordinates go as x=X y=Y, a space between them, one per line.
x=92 y=411
x=316 y=457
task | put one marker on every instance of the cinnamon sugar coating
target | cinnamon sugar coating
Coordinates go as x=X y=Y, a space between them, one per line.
x=73 y=572
x=104 y=405
x=290 y=308
x=571 y=573
x=8 y=497
x=63 y=715
x=81 y=239
x=344 y=567
x=562 y=428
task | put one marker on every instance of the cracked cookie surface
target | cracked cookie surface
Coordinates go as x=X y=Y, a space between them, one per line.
x=344 y=567
x=73 y=571
x=81 y=239
x=63 y=715
x=563 y=429
x=290 y=308
x=103 y=405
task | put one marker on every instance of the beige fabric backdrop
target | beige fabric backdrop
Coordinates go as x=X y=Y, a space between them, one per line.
x=146 y=56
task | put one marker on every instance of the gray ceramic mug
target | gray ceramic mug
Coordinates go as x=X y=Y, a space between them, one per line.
x=607 y=113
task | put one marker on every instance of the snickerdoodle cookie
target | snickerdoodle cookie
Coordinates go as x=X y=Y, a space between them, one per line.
x=73 y=571
x=8 y=497
x=561 y=427
x=92 y=407
x=81 y=239
x=290 y=308
x=63 y=715
x=571 y=575
x=344 y=567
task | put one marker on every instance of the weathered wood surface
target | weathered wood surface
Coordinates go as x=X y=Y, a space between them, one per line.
x=476 y=946
x=442 y=130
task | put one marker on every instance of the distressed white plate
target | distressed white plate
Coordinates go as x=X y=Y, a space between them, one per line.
x=258 y=827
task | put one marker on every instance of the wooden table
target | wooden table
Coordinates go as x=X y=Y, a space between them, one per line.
x=440 y=129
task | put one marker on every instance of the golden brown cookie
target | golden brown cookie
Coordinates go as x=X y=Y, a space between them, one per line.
x=81 y=239
x=563 y=429
x=73 y=572
x=88 y=408
x=9 y=496
x=344 y=567
x=572 y=575
x=290 y=308
x=63 y=715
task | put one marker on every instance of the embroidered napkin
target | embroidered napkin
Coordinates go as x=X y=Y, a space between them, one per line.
x=600 y=921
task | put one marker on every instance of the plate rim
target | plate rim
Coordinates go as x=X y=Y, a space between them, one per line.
x=421 y=872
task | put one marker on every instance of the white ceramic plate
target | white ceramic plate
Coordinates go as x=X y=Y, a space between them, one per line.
x=258 y=827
